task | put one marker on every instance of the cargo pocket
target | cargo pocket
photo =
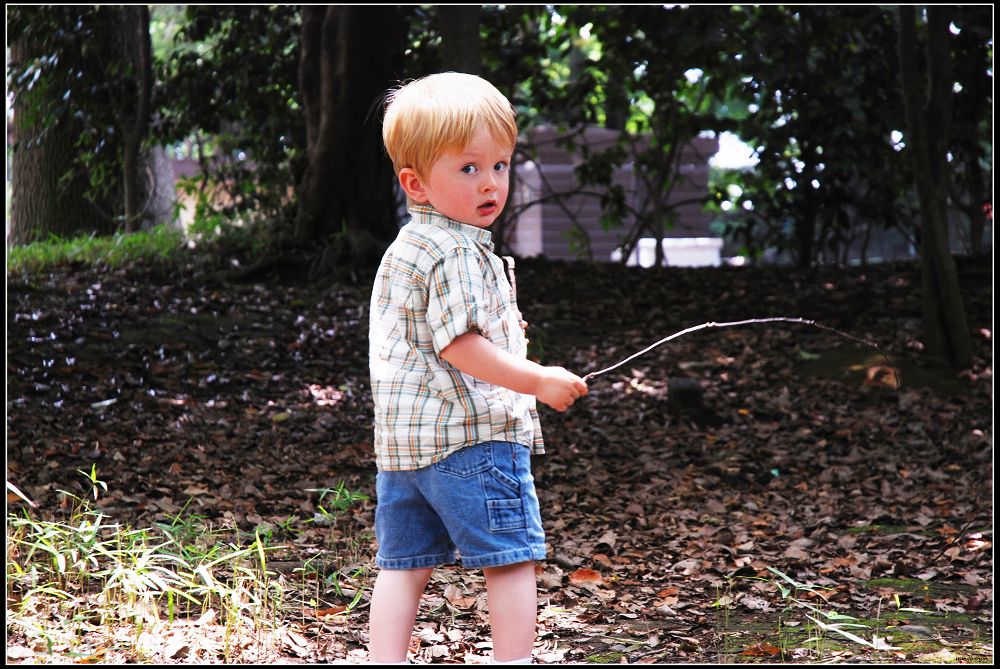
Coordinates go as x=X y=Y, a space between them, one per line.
x=510 y=485
x=506 y=514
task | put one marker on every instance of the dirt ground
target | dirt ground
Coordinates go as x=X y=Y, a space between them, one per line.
x=735 y=495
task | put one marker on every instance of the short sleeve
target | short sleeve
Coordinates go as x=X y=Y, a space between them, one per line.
x=457 y=298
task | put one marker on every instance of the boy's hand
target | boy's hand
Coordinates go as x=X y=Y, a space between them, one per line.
x=559 y=388
x=475 y=355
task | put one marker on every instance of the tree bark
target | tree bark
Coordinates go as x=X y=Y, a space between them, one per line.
x=309 y=71
x=977 y=217
x=137 y=51
x=53 y=193
x=45 y=199
x=927 y=115
x=346 y=196
x=461 y=46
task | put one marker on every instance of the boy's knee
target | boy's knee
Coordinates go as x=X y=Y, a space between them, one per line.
x=510 y=568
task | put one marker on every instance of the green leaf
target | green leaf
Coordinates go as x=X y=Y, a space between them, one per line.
x=14 y=489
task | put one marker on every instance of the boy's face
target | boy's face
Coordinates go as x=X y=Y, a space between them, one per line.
x=469 y=186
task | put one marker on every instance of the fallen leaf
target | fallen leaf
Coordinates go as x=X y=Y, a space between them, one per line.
x=882 y=376
x=609 y=538
x=332 y=611
x=176 y=647
x=93 y=658
x=429 y=636
x=296 y=643
x=583 y=576
x=548 y=580
x=19 y=653
x=796 y=553
x=762 y=649
x=458 y=598
x=755 y=603
x=207 y=618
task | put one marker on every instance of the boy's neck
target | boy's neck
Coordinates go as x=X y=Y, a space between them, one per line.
x=424 y=209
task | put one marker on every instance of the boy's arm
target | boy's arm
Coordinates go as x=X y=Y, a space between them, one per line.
x=475 y=355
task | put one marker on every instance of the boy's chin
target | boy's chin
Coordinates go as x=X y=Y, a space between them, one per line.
x=478 y=220
x=482 y=222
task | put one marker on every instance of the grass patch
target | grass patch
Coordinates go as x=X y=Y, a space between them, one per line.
x=921 y=588
x=887 y=529
x=904 y=625
x=156 y=244
x=611 y=657
x=79 y=585
x=212 y=240
x=807 y=627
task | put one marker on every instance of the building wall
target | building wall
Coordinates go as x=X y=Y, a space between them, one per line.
x=546 y=227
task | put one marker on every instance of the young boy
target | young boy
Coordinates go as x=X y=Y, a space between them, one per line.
x=455 y=419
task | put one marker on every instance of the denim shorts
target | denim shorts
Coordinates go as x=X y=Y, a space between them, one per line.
x=478 y=502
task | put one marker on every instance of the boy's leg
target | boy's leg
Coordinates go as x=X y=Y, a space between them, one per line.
x=513 y=602
x=393 y=611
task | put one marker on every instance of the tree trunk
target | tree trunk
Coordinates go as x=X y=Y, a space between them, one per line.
x=805 y=235
x=43 y=203
x=616 y=104
x=52 y=193
x=927 y=114
x=309 y=71
x=347 y=195
x=136 y=50
x=461 y=49
x=978 y=195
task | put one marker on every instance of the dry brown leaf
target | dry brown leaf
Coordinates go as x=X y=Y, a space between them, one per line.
x=762 y=649
x=548 y=580
x=296 y=643
x=609 y=538
x=584 y=576
x=796 y=553
x=458 y=598
x=94 y=658
x=19 y=653
x=882 y=376
x=332 y=611
x=176 y=647
x=602 y=558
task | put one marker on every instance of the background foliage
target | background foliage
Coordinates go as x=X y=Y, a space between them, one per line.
x=813 y=89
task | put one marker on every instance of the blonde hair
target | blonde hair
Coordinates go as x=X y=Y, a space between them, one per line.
x=439 y=114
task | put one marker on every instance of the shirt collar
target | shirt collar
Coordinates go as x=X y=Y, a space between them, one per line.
x=425 y=213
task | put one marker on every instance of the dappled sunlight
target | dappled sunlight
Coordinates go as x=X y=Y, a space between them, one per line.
x=234 y=409
x=325 y=396
x=638 y=384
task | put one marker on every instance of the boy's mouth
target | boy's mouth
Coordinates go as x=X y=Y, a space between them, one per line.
x=487 y=208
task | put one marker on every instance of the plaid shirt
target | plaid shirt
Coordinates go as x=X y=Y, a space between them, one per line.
x=440 y=279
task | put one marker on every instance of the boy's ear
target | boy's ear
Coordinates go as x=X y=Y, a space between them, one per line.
x=413 y=185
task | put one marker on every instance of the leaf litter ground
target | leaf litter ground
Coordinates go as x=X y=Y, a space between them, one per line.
x=681 y=498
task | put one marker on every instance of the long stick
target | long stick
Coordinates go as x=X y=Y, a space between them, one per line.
x=749 y=321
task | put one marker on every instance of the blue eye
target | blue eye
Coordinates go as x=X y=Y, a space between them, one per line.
x=470 y=169
x=500 y=167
